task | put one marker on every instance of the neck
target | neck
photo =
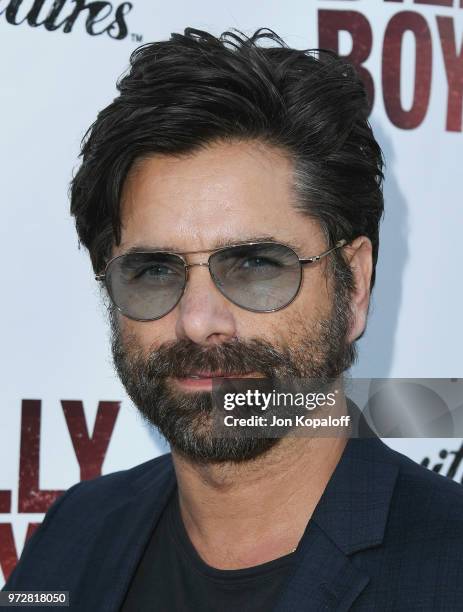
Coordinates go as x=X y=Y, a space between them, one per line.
x=244 y=514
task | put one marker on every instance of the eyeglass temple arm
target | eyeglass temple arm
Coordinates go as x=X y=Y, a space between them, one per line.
x=315 y=258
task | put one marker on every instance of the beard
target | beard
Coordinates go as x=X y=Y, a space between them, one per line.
x=185 y=419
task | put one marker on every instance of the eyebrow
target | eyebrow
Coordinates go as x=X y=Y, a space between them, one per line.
x=219 y=244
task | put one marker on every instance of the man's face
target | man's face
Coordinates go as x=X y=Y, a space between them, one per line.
x=228 y=193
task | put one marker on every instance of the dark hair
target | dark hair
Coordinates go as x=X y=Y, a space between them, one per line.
x=184 y=93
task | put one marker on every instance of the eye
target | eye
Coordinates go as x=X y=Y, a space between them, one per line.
x=257 y=267
x=259 y=262
x=156 y=272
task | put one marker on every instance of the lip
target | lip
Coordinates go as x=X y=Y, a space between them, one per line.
x=203 y=380
x=216 y=375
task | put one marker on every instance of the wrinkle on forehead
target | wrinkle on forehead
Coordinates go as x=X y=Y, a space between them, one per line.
x=238 y=163
x=223 y=192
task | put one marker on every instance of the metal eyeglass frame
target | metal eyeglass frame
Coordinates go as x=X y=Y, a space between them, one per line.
x=302 y=261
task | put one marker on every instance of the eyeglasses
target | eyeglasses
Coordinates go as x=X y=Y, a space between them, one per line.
x=257 y=276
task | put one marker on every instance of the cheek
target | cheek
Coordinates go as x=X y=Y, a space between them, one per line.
x=314 y=299
x=284 y=327
x=144 y=334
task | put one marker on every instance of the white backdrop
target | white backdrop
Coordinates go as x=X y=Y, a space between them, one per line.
x=54 y=334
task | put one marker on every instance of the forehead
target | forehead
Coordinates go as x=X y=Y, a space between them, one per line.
x=226 y=192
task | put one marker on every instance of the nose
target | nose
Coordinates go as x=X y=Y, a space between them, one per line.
x=204 y=315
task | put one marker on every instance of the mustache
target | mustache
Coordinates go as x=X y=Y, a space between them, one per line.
x=184 y=357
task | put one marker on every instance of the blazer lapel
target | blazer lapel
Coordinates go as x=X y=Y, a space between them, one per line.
x=351 y=516
x=122 y=540
x=324 y=579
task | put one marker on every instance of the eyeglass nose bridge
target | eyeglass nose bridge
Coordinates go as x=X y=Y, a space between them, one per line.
x=192 y=265
x=217 y=282
x=203 y=263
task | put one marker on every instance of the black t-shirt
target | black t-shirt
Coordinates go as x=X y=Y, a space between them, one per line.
x=172 y=577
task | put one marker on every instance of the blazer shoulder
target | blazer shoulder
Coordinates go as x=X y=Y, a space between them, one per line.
x=412 y=472
x=426 y=502
x=98 y=495
x=123 y=482
x=57 y=552
x=76 y=517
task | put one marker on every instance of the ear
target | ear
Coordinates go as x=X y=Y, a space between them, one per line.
x=359 y=257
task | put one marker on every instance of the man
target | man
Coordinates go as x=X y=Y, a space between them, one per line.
x=230 y=200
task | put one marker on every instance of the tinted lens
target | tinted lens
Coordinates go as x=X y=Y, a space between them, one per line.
x=261 y=277
x=145 y=286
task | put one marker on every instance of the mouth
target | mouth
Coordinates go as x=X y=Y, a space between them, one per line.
x=202 y=379
x=217 y=375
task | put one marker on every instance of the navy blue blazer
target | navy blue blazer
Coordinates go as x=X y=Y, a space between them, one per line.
x=387 y=535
